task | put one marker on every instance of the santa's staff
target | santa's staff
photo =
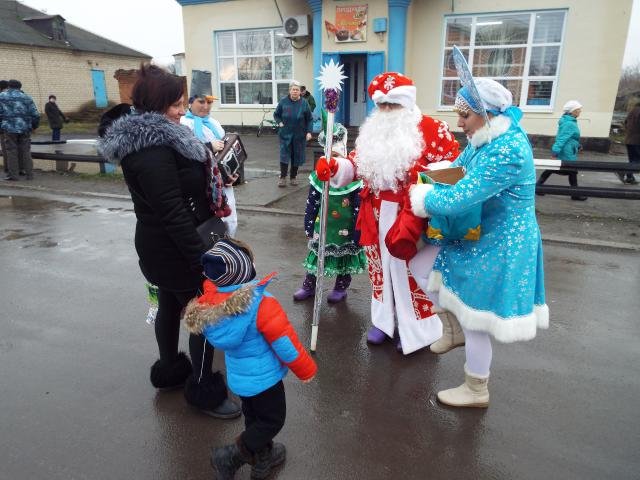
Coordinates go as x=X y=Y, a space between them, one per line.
x=331 y=83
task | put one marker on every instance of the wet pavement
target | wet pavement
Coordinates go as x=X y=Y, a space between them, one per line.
x=75 y=352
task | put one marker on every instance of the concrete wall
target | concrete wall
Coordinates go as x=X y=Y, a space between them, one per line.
x=200 y=23
x=590 y=61
x=67 y=75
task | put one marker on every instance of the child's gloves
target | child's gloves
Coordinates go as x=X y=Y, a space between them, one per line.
x=402 y=238
x=326 y=169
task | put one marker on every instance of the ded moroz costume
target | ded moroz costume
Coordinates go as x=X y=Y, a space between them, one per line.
x=395 y=143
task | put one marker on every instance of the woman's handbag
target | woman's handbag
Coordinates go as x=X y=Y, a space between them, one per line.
x=211 y=231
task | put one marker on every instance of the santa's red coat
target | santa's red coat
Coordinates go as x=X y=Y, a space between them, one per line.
x=440 y=145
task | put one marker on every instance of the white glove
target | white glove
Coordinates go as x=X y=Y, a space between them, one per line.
x=417 y=195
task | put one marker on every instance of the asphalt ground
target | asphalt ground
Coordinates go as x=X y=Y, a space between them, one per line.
x=75 y=352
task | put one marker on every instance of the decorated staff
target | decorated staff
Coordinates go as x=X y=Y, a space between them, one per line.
x=331 y=75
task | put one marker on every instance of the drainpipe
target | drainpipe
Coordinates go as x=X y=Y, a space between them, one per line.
x=316 y=8
x=397 y=34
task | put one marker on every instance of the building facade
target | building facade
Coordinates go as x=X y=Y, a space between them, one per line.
x=52 y=57
x=545 y=51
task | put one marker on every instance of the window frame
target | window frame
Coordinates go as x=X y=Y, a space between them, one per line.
x=274 y=82
x=525 y=78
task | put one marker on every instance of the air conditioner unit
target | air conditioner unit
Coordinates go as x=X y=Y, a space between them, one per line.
x=296 y=26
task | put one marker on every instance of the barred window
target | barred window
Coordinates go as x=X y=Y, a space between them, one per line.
x=521 y=50
x=254 y=66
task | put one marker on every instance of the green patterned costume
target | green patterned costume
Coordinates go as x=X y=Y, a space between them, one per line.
x=343 y=254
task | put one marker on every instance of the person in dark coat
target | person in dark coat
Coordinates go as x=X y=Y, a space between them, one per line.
x=294 y=117
x=306 y=94
x=55 y=117
x=169 y=175
x=632 y=139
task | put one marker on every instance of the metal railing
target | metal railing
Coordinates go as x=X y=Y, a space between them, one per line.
x=597 y=192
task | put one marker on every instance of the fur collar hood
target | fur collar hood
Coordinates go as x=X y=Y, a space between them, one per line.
x=493 y=130
x=198 y=315
x=132 y=133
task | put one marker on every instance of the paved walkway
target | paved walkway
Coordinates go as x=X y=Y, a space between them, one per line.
x=596 y=222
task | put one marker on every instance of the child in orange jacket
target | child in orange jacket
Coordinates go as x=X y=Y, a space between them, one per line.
x=237 y=315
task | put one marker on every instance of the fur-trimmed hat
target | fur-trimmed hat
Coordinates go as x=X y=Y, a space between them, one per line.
x=393 y=87
x=229 y=262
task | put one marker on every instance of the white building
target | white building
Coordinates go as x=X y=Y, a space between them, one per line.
x=545 y=51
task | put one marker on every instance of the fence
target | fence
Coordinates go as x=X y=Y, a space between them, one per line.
x=540 y=164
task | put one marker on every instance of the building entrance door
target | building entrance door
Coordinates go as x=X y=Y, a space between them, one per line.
x=356 y=97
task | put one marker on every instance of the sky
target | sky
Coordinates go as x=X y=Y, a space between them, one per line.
x=154 y=27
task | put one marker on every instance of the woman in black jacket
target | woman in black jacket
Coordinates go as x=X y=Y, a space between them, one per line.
x=169 y=174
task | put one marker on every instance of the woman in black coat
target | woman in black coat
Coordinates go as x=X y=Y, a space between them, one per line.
x=169 y=174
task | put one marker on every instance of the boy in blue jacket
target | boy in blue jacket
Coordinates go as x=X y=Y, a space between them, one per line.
x=237 y=315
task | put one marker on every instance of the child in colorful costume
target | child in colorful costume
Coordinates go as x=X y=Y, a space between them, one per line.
x=343 y=256
x=237 y=315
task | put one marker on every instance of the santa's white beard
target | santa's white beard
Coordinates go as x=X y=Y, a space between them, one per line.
x=388 y=145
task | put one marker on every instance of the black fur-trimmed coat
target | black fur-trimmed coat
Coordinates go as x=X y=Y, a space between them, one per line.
x=164 y=167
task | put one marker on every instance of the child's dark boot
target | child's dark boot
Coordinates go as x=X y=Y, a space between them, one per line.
x=228 y=459
x=268 y=458
x=308 y=288
x=339 y=291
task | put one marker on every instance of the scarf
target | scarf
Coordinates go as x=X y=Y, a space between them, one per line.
x=198 y=122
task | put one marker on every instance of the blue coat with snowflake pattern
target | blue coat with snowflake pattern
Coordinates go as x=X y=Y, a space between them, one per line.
x=495 y=284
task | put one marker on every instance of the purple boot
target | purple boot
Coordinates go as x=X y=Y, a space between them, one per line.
x=375 y=335
x=339 y=291
x=308 y=288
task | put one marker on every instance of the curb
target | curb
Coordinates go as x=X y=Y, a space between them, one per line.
x=552 y=239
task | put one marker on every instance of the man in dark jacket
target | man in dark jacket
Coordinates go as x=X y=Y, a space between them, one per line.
x=632 y=140
x=306 y=94
x=18 y=118
x=55 y=117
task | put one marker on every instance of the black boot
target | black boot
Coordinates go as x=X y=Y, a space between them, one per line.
x=228 y=459
x=267 y=458
x=169 y=375
x=210 y=396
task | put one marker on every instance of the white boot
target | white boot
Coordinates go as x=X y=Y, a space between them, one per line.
x=452 y=334
x=472 y=393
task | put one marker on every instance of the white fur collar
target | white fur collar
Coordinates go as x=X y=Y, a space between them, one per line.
x=497 y=126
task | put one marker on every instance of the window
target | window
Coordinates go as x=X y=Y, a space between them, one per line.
x=520 y=50
x=254 y=66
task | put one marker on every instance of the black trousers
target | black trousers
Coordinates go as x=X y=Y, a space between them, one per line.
x=167 y=327
x=284 y=167
x=18 y=156
x=573 y=177
x=634 y=157
x=264 y=416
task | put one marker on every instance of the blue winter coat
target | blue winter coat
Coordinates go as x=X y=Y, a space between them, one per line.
x=567 y=141
x=494 y=284
x=251 y=327
x=18 y=113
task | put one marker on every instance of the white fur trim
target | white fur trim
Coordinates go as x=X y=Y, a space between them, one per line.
x=405 y=95
x=505 y=330
x=439 y=165
x=496 y=127
x=417 y=196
